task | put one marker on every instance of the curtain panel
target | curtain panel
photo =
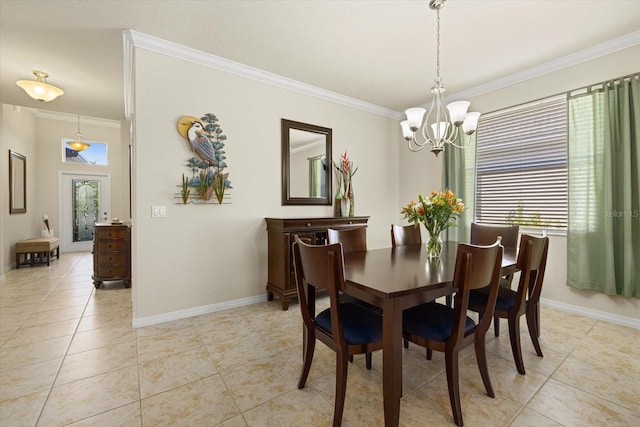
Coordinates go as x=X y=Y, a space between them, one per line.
x=459 y=176
x=603 y=234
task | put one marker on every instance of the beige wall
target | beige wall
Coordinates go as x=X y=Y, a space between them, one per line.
x=40 y=140
x=208 y=254
x=18 y=134
x=611 y=66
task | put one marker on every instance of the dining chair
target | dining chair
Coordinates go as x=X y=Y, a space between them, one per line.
x=353 y=240
x=344 y=327
x=405 y=235
x=448 y=329
x=513 y=304
x=485 y=234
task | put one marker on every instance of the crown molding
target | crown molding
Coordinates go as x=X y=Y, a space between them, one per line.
x=185 y=53
x=132 y=38
x=73 y=118
x=593 y=52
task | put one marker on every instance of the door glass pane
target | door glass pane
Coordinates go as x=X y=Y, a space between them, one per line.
x=85 y=208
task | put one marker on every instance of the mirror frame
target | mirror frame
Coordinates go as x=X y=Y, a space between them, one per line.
x=286 y=125
x=17 y=183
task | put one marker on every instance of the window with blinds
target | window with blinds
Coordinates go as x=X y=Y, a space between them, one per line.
x=522 y=165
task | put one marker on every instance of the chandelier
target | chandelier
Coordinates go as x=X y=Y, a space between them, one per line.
x=78 y=144
x=441 y=124
x=39 y=89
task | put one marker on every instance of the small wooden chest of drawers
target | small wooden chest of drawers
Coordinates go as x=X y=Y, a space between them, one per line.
x=112 y=254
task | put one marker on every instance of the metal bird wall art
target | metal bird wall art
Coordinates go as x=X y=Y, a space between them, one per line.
x=200 y=144
x=206 y=140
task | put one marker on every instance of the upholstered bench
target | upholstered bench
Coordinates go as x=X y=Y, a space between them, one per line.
x=37 y=251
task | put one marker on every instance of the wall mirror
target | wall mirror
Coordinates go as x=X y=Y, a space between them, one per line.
x=306 y=164
x=17 y=183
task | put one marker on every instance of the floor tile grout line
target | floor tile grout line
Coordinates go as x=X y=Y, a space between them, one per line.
x=44 y=404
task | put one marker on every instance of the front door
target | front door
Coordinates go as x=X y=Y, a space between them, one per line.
x=85 y=200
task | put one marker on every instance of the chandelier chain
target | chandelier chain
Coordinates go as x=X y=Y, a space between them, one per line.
x=438 y=46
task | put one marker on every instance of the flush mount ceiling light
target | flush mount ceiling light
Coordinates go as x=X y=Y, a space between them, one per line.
x=440 y=126
x=78 y=144
x=39 y=89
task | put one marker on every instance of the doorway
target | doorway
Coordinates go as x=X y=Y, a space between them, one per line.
x=85 y=200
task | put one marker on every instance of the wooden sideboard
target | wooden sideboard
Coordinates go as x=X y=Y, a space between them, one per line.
x=112 y=254
x=281 y=235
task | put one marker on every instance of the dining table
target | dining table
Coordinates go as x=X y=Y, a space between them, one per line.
x=395 y=279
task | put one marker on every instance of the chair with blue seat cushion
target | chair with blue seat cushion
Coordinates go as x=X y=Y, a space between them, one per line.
x=485 y=234
x=353 y=240
x=346 y=328
x=448 y=329
x=513 y=304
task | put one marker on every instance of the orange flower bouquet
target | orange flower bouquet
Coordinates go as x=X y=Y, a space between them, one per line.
x=437 y=212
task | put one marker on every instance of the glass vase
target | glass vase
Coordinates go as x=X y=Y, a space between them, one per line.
x=350 y=196
x=434 y=246
x=345 y=205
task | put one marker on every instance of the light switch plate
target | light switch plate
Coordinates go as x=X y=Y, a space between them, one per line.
x=158 y=211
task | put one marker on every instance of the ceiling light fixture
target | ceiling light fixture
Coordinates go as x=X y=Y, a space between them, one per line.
x=78 y=144
x=440 y=126
x=40 y=89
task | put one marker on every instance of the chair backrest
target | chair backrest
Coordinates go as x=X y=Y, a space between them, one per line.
x=352 y=239
x=321 y=267
x=532 y=263
x=476 y=267
x=486 y=234
x=405 y=235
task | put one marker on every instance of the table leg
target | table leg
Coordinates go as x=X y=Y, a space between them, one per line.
x=391 y=362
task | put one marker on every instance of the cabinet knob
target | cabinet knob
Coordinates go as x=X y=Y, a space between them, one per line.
x=350 y=222
x=308 y=224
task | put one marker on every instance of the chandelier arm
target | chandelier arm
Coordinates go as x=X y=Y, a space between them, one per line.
x=464 y=145
x=418 y=144
x=415 y=150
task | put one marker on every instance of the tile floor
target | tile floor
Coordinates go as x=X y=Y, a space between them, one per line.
x=68 y=356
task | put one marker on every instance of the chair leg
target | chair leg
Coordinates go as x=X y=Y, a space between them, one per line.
x=481 y=358
x=537 y=317
x=406 y=342
x=367 y=358
x=534 y=332
x=341 y=387
x=451 y=361
x=308 y=357
x=514 y=336
x=429 y=354
x=351 y=358
x=496 y=326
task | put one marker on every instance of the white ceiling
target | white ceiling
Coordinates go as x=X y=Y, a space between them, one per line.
x=381 y=52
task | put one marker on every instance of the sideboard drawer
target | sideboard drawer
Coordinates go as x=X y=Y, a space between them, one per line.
x=112 y=233
x=113 y=270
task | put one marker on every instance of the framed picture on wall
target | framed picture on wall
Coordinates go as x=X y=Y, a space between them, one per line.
x=17 y=183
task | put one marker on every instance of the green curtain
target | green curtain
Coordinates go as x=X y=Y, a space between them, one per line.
x=459 y=176
x=603 y=234
x=315 y=176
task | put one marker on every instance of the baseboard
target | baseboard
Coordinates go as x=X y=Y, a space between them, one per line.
x=594 y=314
x=196 y=311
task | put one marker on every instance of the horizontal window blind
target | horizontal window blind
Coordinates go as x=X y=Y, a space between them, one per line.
x=522 y=165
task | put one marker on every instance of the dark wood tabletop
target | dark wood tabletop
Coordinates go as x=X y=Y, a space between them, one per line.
x=395 y=279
